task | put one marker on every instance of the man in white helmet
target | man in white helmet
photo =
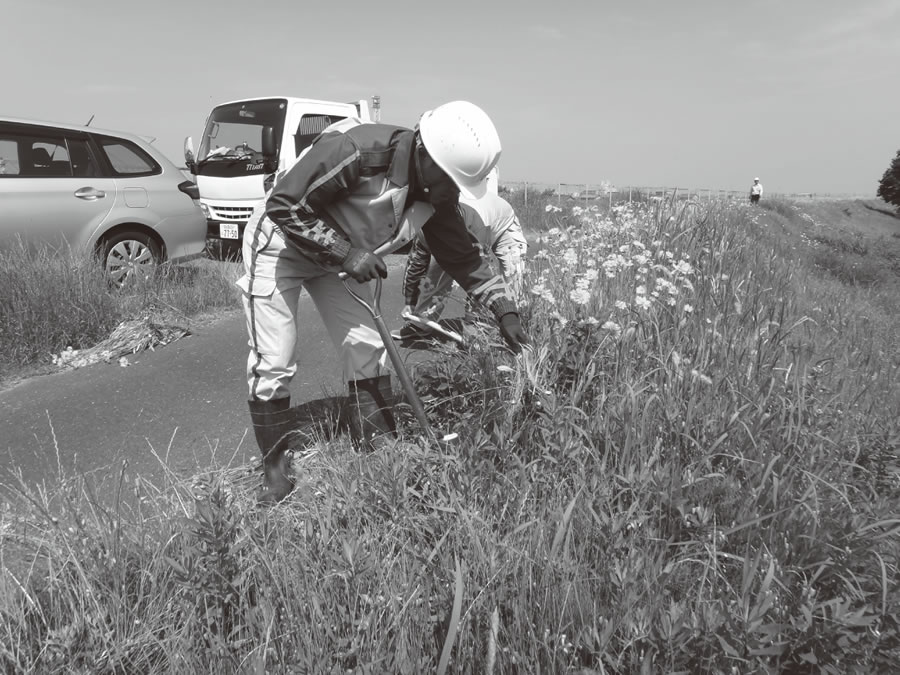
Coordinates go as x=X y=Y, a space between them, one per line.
x=345 y=197
x=493 y=222
x=756 y=191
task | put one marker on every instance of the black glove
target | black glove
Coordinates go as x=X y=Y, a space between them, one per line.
x=511 y=330
x=364 y=265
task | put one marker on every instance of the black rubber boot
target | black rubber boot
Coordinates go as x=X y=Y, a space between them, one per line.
x=371 y=402
x=273 y=422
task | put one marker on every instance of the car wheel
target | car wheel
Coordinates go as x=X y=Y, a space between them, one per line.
x=130 y=256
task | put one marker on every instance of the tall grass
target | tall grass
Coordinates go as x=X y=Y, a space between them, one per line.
x=49 y=299
x=55 y=298
x=693 y=470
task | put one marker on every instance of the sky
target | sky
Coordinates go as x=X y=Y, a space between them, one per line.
x=694 y=94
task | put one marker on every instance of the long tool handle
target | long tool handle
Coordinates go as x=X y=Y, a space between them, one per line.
x=393 y=353
x=434 y=326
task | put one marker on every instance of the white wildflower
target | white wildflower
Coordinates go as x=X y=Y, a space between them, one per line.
x=580 y=296
x=541 y=290
x=683 y=267
x=665 y=285
x=612 y=327
x=621 y=305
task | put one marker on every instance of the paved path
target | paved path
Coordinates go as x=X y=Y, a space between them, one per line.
x=185 y=401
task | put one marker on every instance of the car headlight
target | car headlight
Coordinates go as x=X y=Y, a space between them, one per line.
x=205 y=209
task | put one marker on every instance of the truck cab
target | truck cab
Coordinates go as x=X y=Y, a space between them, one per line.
x=244 y=144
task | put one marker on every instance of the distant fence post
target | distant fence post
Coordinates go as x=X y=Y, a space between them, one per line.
x=629 y=195
x=558 y=194
x=526 y=194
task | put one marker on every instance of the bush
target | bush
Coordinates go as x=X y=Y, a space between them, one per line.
x=889 y=185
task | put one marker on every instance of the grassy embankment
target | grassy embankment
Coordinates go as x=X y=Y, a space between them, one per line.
x=694 y=470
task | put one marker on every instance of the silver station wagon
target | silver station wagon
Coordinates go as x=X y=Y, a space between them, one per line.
x=106 y=191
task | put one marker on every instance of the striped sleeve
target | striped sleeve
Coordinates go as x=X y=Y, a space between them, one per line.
x=322 y=175
x=458 y=253
x=416 y=267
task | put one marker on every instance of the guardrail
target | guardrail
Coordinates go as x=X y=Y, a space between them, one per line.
x=604 y=192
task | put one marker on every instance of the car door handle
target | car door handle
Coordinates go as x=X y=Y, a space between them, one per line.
x=89 y=194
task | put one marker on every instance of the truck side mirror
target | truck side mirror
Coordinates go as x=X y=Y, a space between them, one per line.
x=189 y=159
x=269 y=151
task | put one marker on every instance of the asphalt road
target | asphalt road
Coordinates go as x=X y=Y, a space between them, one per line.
x=183 y=405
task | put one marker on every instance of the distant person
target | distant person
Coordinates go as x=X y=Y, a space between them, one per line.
x=756 y=191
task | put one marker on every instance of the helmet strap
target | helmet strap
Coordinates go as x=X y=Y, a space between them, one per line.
x=420 y=147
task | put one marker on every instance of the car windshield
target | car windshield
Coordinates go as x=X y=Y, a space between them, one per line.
x=234 y=130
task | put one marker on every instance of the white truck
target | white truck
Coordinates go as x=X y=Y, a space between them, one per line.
x=244 y=144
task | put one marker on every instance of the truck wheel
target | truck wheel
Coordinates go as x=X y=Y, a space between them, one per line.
x=130 y=256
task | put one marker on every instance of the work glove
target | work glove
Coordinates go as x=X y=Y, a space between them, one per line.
x=363 y=265
x=511 y=330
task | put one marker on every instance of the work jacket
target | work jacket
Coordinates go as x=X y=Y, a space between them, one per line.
x=487 y=218
x=351 y=188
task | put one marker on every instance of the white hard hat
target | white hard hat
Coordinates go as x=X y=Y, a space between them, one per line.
x=757 y=178
x=463 y=141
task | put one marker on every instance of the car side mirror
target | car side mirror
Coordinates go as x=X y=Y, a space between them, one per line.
x=189 y=159
x=269 y=150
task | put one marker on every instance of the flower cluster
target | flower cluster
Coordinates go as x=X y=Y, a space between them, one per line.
x=597 y=255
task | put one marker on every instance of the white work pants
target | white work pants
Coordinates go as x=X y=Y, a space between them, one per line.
x=275 y=274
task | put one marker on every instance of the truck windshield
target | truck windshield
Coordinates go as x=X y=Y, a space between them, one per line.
x=232 y=140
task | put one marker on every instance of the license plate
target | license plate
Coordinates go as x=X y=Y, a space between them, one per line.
x=228 y=230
